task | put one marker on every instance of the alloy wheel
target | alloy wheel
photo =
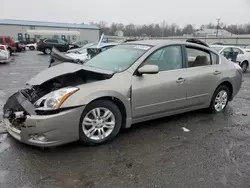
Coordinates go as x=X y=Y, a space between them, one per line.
x=98 y=123
x=221 y=100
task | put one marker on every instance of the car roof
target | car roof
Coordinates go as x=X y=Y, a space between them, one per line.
x=166 y=42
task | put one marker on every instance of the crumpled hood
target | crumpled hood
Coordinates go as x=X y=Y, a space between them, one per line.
x=63 y=69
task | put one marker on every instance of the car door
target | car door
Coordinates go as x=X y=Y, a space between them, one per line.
x=50 y=43
x=162 y=92
x=227 y=53
x=203 y=75
x=238 y=55
x=62 y=45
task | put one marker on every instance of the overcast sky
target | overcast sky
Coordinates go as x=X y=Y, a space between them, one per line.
x=180 y=12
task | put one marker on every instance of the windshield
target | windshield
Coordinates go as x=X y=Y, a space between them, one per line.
x=118 y=58
x=217 y=48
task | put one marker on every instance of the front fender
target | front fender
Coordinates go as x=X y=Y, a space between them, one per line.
x=76 y=99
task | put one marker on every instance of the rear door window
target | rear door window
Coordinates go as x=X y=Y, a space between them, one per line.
x=238 y=51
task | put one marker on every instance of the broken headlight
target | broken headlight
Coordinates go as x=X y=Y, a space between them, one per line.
x=55 y=99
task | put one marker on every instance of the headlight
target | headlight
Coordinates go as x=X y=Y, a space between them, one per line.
x=55 y=99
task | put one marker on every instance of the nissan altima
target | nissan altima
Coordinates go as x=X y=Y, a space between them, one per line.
x=127 y=84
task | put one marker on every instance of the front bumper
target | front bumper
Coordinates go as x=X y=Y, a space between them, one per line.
x=56 y=129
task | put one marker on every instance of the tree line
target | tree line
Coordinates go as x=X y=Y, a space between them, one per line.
x=165 y=30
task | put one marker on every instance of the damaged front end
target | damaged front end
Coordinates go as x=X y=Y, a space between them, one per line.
x=33 y=115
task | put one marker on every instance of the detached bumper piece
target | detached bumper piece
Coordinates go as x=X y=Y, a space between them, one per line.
x=25 y=124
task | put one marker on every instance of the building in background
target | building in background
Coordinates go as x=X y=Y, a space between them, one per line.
x=22 y=30
x=119 y=33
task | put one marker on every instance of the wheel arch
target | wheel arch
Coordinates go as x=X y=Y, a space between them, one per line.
x=122 y=101
x=229 y=85
x=245 y=61
x=119 y=104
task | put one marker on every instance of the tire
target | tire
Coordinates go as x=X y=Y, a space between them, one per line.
x=223 y=90
x=100 y=133
x=9 y=49
x=32 y=48
x=47 y=51
x=244 y=66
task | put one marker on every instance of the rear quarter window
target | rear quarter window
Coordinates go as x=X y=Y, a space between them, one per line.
x=215 y=58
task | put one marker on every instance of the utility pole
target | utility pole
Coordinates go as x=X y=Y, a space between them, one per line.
x=218 y=24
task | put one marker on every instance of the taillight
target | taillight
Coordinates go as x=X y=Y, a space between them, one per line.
x=39 y=43
x=2 y=48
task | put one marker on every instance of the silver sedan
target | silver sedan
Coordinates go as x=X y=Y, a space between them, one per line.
x=127 y=84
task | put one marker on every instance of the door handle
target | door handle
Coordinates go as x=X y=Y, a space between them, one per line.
x=217 y=72
x=180 y=80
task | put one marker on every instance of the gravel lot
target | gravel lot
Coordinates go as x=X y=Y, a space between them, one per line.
x=215 y=153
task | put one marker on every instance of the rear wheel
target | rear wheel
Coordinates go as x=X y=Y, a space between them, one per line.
x=220 y=99
x=10 y=50
x=244 y=66
x=47 y=51
x=100 y=121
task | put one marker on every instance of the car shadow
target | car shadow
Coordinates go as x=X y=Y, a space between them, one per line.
x=14 y=54
x=165 y=124
x=147 y=125
x=42 y=54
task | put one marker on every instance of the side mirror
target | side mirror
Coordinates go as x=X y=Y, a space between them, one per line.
x=148 y=69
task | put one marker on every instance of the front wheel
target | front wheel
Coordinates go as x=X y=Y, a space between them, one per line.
x=100 y=121
x=47 y=51
x=220 y=99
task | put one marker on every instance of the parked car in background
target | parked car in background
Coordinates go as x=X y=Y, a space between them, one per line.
x=4 y=54
x=20 y=46
x=81 y=56
x=31 y=46
x=80 y=43
x=129 y=83
x=247 y=48
x=80 y=50
x=46 y=45
x=235 y=54
x=9 y=42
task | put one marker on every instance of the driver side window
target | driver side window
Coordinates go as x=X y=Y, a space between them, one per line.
x=167 y=58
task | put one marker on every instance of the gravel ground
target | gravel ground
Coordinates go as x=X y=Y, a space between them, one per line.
x=215 y=153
